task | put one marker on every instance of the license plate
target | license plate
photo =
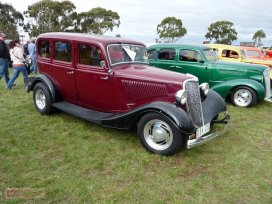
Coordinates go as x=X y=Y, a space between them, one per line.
x=202 y=130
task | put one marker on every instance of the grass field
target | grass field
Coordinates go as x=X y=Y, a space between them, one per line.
x=75 y=161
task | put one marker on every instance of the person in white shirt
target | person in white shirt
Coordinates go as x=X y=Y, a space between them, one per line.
x=16 y=55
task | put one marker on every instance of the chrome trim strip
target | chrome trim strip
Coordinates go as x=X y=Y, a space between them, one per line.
x=204 y=139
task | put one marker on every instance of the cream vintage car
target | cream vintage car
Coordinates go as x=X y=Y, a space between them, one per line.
x=238 y=54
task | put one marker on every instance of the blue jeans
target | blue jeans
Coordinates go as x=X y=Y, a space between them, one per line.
x=34 y=67
x=17 y=70
x=4 y=69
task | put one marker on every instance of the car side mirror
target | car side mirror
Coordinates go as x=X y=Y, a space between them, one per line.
x=103 y=64
x=201 y=61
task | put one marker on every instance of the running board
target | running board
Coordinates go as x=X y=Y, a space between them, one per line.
x=84 y=113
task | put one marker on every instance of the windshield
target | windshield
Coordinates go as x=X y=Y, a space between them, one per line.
x=210 y=55
x=123 y=53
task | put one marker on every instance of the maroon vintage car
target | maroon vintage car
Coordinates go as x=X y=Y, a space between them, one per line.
x=108 y=81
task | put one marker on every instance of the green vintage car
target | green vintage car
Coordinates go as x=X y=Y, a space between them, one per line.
x=242 y=83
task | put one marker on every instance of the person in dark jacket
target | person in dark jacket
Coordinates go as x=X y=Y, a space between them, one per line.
x=26 y=47
x=4 y=58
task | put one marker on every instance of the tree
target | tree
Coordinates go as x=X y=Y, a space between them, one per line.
x=170 y=29
x=49 y=16
x=222 y=32
x=10 y=19
x=97 y=21
x=258 y=36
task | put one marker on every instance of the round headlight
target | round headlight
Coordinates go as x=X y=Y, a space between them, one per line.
x=181 y=96
x=204 y=88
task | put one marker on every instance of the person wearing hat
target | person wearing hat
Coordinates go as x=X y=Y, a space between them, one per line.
x=4 y=58
x=32 y=53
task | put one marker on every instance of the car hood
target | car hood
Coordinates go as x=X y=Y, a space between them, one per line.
x=149 y=73
x=238 y=65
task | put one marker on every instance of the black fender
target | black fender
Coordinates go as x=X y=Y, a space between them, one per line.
x=212 y=106
x=48 y=82
x=176 y=114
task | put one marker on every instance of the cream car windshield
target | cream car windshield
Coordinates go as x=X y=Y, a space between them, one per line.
x=123 y=53
x=210 y=55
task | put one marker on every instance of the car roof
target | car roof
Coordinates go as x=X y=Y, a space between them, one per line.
x=250 y=48
x=103 y=39
x=177 y=45
x=224 y=46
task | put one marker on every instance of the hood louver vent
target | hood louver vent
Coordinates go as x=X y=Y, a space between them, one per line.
x=137 y=91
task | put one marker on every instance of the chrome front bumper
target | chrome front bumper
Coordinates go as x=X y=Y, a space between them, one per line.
x=205 y=138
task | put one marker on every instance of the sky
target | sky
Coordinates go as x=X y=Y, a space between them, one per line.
x=139 y=18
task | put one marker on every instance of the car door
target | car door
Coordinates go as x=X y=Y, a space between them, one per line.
x=62 y=70
x=93 y=83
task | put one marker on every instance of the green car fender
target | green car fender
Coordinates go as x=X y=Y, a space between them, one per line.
x=225 y=87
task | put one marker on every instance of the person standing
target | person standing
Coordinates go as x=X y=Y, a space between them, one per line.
x=25 y=47
x=32 y=53
x=4 y=58
x=17 y=56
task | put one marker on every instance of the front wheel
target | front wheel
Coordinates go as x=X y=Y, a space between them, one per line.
x=42 y=99
x=243 y=96
x=159 y=135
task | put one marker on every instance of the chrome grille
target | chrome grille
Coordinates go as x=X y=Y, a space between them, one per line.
x=266 y=75
x=193 y=104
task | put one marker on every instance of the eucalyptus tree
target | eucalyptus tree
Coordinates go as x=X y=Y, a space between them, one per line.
x=49 y=16
x=10 y=20
x=170 y=30
x=222 y=32
x=97 y=21
x=258 y=36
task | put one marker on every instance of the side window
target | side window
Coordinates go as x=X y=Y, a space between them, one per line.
x=167 y=54
x=44 y=49
x=152 y=54
x=189 y=55
x=90 y=55
x=62 y=51
x=253 y=53
x=230 y=54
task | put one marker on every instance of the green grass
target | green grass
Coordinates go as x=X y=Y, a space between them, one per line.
x=75 y=161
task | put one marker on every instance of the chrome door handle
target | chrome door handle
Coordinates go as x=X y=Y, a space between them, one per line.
x=70 y=72
x=105 y=78
x=178 y=67
x=172 y=66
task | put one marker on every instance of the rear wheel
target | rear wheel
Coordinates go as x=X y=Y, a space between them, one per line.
x=159 y=135
x=42 y=99
x=243 y=96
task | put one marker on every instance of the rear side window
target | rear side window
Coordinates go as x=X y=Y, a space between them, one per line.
x=167 y=54
x=44 y=49
x=62 y=51
x=90 y=55
x=152 y=54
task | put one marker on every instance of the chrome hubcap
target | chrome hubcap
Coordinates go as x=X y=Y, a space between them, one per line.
x=158 y=134
x=40 y=99
x=242 y=97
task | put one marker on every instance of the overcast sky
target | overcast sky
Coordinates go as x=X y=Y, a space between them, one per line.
x=139 y=18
